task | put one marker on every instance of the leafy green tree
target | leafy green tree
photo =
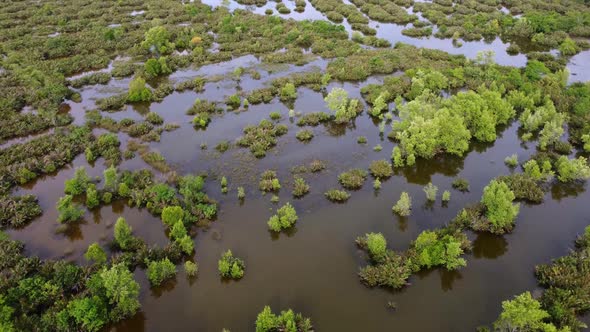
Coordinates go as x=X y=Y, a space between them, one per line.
x=138 y=92
x=123 y=234
x=157 y=39
x=186 y=244
x=89 y=312
x=154 y=68
x=178 y=230
x=78 y=184
x=403 y=207
x=172 y=214
x=497 y=198
x=110 y=179
x=121 y=290
x=92 y=200
x=68 y=212
x=95 y=253
x=266 y=320
x=522 y=314
x=551 y=132
x=344 y=109
x=159 y=271
x=285 y=218
x=444 y=251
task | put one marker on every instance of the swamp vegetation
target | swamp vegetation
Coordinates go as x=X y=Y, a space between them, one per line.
x=145 y=144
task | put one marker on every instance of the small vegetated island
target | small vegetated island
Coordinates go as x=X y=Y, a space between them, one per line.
x=214 y=118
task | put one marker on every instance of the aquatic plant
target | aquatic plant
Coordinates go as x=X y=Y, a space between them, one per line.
x=352 y=179
x=300 y=187
x=285 y=217
x=431 y=191
x=267 y=321
x=159 y=271
x=403 y=206
x=336 y=195
x=230 y=266
x=269 y=181
x=380 y=169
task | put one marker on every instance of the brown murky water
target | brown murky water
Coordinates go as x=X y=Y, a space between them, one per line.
x=313 y=269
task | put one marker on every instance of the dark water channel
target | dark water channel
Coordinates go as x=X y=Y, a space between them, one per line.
x=313 y=269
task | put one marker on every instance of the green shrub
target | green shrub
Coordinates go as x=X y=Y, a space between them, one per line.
x=376 y=245
x=353 y=179
x=403 y=207
x=172 y=214
x=191 y=269
x=285 y=218
x=138 y=92
x=304 y=135
x=317 y=165
x=78 y=184
x=92 y=200
x=159 y=271
x=430 y=191
x=446 y=196
x=267 y=321
x=572 y=169
x=461 y=184
x=336 y=195
x=123 y=234
x=300 y=187
x=511 y=161
x=435 y=250
x=380 y=169
x=269 y=181
x=500 y=212
x=95 y=253
x=230 y=266
x=68 y=212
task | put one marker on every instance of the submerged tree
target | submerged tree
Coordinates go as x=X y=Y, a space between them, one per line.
x=500 y=212
x=68 y=212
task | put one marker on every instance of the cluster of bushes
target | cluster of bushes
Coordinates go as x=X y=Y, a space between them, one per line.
x=231 y=267
x=59 y=295
x=267 y=321
x=269 y=181
x=17 y=211
x=15 y=124
x=440 y=248
x=563 y=300
x=21 y=163
x=262 y=137
x=285 y=218
x=353 y=179
x=202 y=111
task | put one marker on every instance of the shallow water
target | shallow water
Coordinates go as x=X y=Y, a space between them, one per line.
x=313 y=268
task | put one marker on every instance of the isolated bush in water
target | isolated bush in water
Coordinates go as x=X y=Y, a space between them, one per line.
x=403 y=207
x=285 y=218
x=230 y=266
